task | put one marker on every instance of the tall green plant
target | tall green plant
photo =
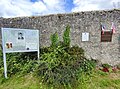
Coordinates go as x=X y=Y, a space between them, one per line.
x=54 y=40
x=1 y=62
x=66 y=36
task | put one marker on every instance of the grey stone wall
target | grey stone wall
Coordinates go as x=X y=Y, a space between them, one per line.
x=106 y=52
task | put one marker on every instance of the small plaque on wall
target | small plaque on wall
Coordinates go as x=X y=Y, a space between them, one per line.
x=106 y=36
x=85 y=36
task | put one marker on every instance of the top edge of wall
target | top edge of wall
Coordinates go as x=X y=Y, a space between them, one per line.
x=92 y=11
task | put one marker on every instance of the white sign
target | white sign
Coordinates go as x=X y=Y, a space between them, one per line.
x=85 y=36
x=19 y=40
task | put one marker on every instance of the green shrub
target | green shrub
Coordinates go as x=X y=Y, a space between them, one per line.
x=54 y=40
x=55 y=67
x=61 y=64
x=118 y=66
x=1 y=62
x=1 y=59
x=66 y=36
x=106 y=65
x=44 y=50
x=75 y=51
x=58 y=67
x=87 y=65
x=18 y=62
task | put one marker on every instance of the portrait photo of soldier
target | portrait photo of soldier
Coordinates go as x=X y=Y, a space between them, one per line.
x=20 y=36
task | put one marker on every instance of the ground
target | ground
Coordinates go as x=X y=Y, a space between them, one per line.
x=98 y=80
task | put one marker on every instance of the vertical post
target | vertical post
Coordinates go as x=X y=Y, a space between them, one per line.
x=5 y=65
x=38 y=45
x=38 y=54
x=4 y=54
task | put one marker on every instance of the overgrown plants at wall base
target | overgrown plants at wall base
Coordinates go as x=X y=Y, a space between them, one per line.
x=18 y=63
x=61 y=64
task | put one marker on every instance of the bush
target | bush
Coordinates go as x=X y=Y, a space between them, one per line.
x=66 y=36
x=54 y=40
x=18 y=62
x=61 y=64
x=87 y=65
x=1 y=62
x=59 y=67
x=106 y=65
x=54 y=66
x=118 y=66
x=75 y=51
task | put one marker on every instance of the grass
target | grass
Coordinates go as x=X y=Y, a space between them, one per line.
x=20 y=82
x=101 y=80
x=97 y=80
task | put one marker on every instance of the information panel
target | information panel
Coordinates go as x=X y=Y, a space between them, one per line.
x=19 y=40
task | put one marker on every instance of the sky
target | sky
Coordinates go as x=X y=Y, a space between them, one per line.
x=17 y=8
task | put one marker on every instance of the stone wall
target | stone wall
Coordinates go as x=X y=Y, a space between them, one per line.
x=106 y=52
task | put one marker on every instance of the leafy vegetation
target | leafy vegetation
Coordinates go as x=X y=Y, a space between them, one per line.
x=66 y=37
x=18 y=63
x=61 y=64
x=54 y=40
x=106 y=65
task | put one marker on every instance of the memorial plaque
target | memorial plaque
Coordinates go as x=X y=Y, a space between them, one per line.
x=106 y=37
x=85 y=36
